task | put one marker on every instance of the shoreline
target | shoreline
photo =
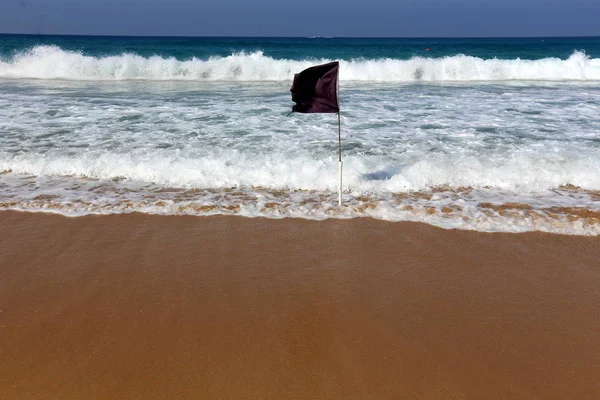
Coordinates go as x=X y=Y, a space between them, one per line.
x=581 y=222
x=144 y=306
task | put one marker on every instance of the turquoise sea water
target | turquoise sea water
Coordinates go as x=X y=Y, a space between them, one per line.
x=485 y=134
x=303 y=48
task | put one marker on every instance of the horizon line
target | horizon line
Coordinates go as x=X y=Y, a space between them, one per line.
x=295 y=37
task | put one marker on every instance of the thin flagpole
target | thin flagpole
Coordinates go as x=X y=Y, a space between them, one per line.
x=337 y=95
x=340 y=158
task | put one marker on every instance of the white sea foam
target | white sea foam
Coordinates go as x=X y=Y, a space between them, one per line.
x=566 y=210
x=517 y=171
x=450 y=191
x=52 y=62
x=493 y=157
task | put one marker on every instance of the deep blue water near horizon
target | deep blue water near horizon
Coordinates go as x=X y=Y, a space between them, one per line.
x=309 y=48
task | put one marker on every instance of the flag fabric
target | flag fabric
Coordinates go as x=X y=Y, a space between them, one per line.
x=315 y=89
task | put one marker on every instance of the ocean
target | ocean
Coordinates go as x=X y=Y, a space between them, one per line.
x=495 y=135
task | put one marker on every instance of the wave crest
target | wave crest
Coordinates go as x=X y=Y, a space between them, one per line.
x=52 y=62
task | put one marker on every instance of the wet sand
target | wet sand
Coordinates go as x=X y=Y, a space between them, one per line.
x=149 y=307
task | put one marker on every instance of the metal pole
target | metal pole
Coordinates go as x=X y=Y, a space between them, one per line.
x=340 y=158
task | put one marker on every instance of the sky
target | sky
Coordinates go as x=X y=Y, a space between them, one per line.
x=301 y=18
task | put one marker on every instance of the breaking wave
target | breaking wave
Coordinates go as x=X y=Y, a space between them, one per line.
x=518 y=172
x=52 y=62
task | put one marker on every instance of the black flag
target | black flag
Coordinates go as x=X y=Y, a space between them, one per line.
x=315 y=89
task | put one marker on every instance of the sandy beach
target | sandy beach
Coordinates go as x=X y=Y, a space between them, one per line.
x=153 y=307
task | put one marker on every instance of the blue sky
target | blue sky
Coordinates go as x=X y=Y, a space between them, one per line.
x=412 y=18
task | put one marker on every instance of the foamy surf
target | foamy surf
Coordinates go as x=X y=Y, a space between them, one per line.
x=52 y=62
x=509 y=195
x=566 y=210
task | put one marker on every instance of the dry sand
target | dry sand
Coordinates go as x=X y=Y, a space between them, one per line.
x=149 y=307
